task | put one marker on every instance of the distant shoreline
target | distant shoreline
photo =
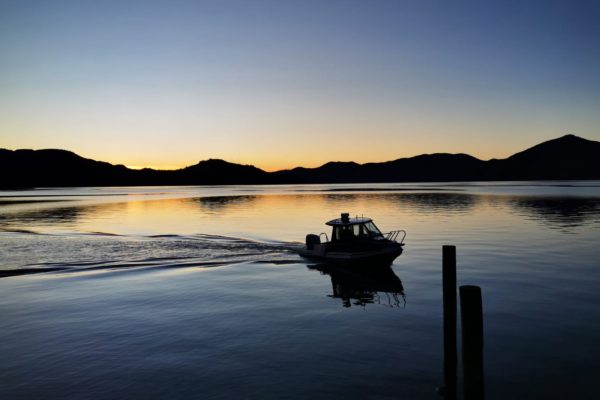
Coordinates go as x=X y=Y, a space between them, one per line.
x=566 y=158
x=408 y=189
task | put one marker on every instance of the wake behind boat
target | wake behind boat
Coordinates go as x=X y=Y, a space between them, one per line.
x=354 y=240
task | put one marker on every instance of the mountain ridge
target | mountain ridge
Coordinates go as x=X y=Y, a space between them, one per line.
x=566 y=157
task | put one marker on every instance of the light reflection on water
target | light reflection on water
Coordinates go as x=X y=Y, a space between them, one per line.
x=281 y=214
x=197 y=292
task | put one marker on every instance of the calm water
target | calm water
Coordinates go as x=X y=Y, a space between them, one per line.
x=196 y=292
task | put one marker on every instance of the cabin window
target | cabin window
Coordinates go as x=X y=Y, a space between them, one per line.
x=342 y=233
x=349 y=232
x=345 y=232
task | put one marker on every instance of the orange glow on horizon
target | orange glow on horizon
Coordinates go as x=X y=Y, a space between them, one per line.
x=272 y=163
x=276 y=161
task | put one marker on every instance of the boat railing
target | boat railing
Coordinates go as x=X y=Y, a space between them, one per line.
x=393 y=235
x=326 y=237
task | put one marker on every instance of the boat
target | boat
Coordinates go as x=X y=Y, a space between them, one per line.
x=354 y=240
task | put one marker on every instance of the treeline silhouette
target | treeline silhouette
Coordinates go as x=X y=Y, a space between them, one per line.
x=568 y=157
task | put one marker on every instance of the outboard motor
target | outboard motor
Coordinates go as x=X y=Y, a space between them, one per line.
x=311 y=240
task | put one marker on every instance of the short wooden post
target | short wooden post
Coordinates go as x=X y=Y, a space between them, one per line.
x=449 y=297
x=471 y=311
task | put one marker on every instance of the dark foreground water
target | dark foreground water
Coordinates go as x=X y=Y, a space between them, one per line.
x=191 y=292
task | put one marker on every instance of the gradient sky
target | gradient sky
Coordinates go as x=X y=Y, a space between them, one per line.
x=284 y=83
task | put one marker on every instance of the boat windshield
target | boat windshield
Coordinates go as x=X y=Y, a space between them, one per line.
x=372 y=229
x=357 y=231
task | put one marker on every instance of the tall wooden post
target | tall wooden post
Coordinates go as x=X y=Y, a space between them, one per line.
x=471 y=311
x=449 y=297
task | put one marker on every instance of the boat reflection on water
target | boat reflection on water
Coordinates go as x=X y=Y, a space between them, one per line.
x=360 y=285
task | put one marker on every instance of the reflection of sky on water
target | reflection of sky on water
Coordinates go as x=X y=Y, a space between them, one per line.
x=118 y=229
x=559 y=212
x=219 y=204
x=49 y=216
x=207 y=280
x=428 y=203
x=271 y=215
x=439 y=202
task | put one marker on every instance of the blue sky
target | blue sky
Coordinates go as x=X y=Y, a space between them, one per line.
x=284 y=83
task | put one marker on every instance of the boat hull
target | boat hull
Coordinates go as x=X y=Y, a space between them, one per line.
x=382 y=255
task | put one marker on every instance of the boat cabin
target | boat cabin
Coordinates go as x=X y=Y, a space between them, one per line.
x=348 y=229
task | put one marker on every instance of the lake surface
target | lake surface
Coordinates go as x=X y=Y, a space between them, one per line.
x=197 y=292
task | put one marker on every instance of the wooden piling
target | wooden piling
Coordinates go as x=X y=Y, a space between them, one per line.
x=449 y=298
x=471 y=311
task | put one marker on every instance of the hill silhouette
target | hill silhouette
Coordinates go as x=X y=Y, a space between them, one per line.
x=568 y=157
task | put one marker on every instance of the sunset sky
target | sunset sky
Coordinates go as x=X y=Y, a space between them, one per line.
x=284 y=83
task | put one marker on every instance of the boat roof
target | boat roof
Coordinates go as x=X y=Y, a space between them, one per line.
x=349 y=221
